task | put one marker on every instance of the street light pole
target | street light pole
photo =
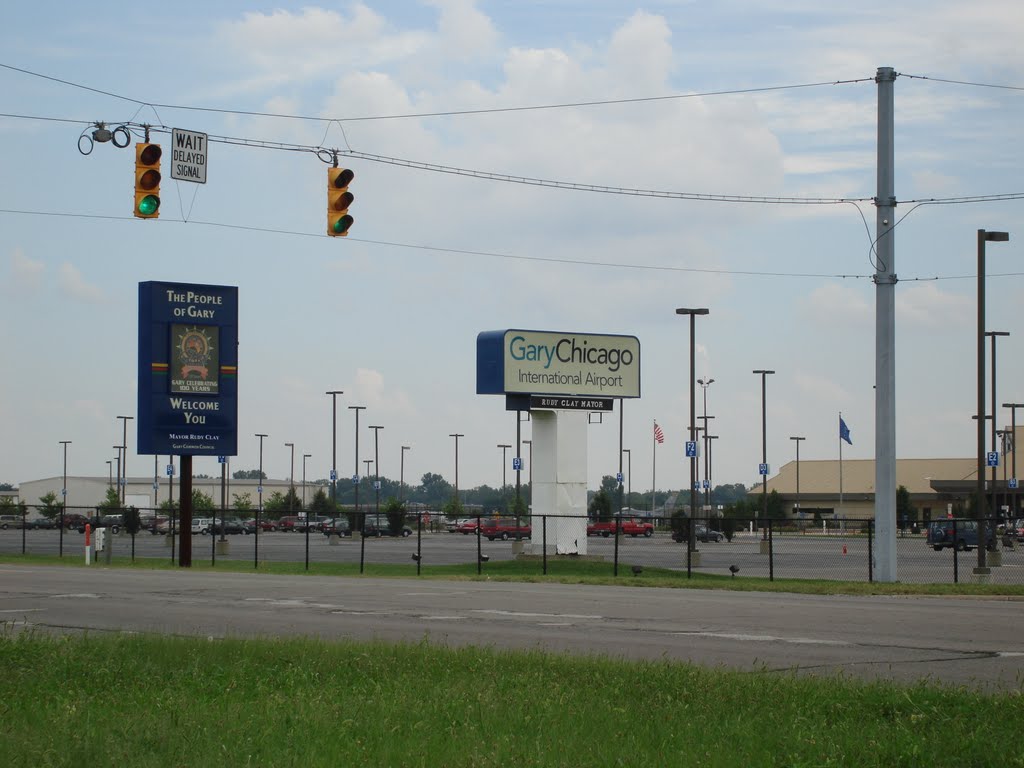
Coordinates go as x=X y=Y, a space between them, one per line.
x=124 y=464
x=259 y=506
x=456 y=436
x=710 y=468
x=979 y=503
x=334 y=451
x=764 y=452
x=993 y=335
x=358 y=521
x=629 y=474
x=798 y=439
x=504 y=447
x=291 y=481
x=64 y=496
x=1013 y=449
x=401 y=475
x=692 y=544
x=376 y=470
x=704 y=384
x=304 y=457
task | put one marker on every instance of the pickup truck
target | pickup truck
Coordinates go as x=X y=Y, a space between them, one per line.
x=629 y=528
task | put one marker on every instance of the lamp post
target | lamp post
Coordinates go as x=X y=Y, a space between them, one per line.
x=504 y=447
x=291 y=481
x=64 y=496
x=367 y=462
x=529 y=469
x=710 y=468
x=124 y=464
x=355 y=480
x=376 y=471
x=334 y=451
x=798 y=439
x=704 y=384
x=305 y=512
x=401 y=474
x=1013 y=449
x=304 y=457
x=995 y=448
x=259 y=506
x=457 y=435
x=629 y=474
x=979 y=502
x=118 y=460
x=692 y=544
x=764 y=453
x=110 y=473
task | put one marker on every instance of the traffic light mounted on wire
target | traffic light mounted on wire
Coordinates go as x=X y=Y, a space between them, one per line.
x=147 y=180
x=338 y=201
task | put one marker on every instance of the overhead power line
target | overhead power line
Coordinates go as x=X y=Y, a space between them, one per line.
x=444 y=113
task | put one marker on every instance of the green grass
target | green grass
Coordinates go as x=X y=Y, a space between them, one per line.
x=154 y=701
x=559 y=571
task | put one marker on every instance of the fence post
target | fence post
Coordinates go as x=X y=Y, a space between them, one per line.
x=544 y=542
x=956 y=556
x=771 y=552
x=871 y=558
x=618 y=527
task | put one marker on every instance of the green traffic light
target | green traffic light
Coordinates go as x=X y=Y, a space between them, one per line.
x=342 y=225
x=149 y=205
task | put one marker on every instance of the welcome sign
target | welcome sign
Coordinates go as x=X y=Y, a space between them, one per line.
x=188 y=369
x=553 y=363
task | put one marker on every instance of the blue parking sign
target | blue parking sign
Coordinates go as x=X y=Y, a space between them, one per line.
x=762 y=469
x=691 y=449
x=517 y=463
x=992 y=458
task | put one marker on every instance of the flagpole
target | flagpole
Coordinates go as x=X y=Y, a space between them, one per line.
x=840 y=465
x=654 y=464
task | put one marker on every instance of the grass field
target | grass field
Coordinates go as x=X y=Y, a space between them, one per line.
x=155 y=701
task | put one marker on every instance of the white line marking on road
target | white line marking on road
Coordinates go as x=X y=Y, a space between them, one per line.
x=526 y=615
x=441 y=618
x=20 y=610
x=87 y=595
x=762 y=638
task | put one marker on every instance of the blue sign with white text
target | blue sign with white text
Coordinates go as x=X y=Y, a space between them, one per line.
x=188 y=369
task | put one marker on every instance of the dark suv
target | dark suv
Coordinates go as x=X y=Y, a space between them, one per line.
x=962 y=534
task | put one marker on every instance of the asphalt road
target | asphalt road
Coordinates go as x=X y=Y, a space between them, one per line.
x=962 y=641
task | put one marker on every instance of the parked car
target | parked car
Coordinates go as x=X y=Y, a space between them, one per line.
x=380 y=526
x=466 y=526
x=505 y=528
x=10 y=521
x=42 y=523
x=112 y=522
x=963 y=534
x=700 y=533
x=336 y=525
x=629 y=527
x=202 y=525
x=233 y=526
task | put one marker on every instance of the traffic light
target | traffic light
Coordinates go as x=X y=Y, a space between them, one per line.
x=147 y=180
x=338 y=201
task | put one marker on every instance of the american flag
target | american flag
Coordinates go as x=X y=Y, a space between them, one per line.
x=658 y=434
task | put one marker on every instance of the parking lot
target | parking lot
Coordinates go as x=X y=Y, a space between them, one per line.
x=794 y=555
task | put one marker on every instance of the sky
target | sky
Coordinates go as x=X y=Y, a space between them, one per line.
x=765 y=101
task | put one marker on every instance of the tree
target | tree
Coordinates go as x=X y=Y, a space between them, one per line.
x=517 y=507
x=600 y=506
x=453 y=508
x=275 y=505
x=241 y=502
x=50 y=506
x=321 y=505
x=395 y=512
x=905 y=509
x=112 y=503
x=248 y=474
x=6 y=487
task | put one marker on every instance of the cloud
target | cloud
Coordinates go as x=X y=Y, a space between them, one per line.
x=465 y=31
x=73 y=284
x=26 y=273
x=369 y=389
x=927 y=306
x=832 y=304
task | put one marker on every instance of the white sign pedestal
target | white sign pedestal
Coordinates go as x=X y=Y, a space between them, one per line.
x=560 y=481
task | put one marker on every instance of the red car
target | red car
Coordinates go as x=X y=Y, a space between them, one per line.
x=466 y=527
x=504 y=529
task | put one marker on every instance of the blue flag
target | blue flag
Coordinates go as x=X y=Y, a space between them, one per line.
x=844 y=431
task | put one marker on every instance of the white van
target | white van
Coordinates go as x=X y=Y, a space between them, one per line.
x=202 y=525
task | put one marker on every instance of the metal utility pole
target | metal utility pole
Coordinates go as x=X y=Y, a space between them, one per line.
x=885 y=335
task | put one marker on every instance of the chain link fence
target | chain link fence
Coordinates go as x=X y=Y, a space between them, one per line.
x=942 y=551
